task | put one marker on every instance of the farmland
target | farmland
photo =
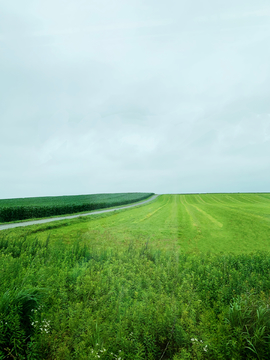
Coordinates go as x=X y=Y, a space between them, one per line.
x=190 y=223
x=183 y=277
x=38 y=207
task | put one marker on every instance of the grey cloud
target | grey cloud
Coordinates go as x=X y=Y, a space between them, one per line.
x=148 y=95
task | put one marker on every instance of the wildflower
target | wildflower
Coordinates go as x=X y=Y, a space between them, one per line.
x=205 y=348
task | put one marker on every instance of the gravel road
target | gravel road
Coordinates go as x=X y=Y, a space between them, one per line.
x=43 y=221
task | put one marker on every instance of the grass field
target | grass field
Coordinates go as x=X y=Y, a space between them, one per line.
x=191 y=223
x=183 y=277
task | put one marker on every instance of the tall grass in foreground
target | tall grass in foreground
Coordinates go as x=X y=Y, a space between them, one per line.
x=60 y=301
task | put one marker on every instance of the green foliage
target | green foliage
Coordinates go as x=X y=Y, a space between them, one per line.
x=21 y=209
x=250 y=318
x=75 y=301
x=17 y=308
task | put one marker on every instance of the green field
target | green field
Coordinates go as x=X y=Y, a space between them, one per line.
x=39 y=207
x=183 y=277
x=190 y=223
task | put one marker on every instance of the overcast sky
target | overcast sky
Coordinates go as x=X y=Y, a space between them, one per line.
x=141 y=95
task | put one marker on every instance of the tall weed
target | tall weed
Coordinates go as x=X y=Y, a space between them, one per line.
x=74 y=301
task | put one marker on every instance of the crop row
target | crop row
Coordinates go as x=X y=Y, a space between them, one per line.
x=22 y=212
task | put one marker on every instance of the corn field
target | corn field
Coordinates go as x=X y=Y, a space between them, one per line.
x=28 y=208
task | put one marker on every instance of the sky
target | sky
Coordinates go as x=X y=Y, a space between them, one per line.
x=105 y=96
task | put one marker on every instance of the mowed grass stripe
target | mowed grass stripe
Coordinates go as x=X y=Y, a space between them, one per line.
x=202 y=200
x=246 y=198
x=126 y=226
x=250 y=215
x=248 y=207
x=198 y=207
x=245 y=231
x=216 y=222
x=237 y=226
x=172 y=219
x=218 y=201
x=263 y=198
x=168 y=207
x=193 y=219
x=151 y=213
x=233 y=199
x=188 y=231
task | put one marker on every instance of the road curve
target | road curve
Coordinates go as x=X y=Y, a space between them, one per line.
x=43 y=221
